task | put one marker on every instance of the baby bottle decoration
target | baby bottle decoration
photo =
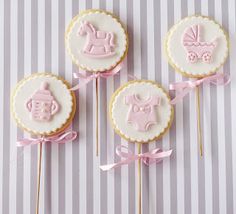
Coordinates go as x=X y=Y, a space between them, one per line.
x=42 y=105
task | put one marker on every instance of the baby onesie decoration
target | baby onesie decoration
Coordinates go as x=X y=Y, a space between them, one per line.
x=97 y=43
x=140 y=112
x=197 y=47
x=43 y=105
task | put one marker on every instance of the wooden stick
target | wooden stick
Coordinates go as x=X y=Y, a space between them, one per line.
x=39 y=176
x=139 y=182
x=199 y=130
x=97 y=117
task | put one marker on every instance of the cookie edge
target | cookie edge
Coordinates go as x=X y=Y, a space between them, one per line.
x=63 y=126
x=155 y=138
x=71 y=23
x=184 y=73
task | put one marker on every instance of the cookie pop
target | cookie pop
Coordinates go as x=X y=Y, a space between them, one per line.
x=141 y=113
x=97 y=43
x=43 y=106
x=197 y=47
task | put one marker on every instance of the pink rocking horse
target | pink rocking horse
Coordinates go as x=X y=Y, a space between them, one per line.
x=99 y=44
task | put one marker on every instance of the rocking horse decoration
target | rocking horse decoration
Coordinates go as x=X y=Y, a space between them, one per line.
x=197 y=49
x=99 y=44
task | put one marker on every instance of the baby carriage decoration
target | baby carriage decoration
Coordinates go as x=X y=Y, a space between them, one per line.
x=197 y=49
x=42 y=105
x=99 y=44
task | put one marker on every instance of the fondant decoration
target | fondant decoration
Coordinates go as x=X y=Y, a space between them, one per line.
x=99 y=44
x=96 y=41
x=195 y=47
x=42 y=105
x=142 y=113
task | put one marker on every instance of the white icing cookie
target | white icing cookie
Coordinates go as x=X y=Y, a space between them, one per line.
x=196 y=46
x=96 y=41
x=42 y=104
x=140 y=111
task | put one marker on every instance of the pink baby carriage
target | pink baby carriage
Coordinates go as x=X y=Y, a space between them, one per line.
x=197 y=49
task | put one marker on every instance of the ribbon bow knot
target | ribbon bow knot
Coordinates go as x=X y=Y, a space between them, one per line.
x=88 y=78
x=60 y=138
x=183 y=88
x=153 y=156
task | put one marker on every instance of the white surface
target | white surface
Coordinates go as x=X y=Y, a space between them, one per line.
x=120 y=110
x=209 y=32
x=24 y=92
x=103 y=22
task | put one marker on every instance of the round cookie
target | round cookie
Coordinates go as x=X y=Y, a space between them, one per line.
x=96 y=41
x=140 y=111
x=196 y=46
x=42 y=104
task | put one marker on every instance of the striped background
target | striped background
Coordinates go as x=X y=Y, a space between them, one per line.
x=32 y=39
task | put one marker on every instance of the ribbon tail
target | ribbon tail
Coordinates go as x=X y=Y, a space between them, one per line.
x=115 y=165
x=180 y=95
x=108 y=167
x=63 y=138
x=117 y=68
x=157 y=158
x=80 y=85
x=68 y=136
x=26 y=142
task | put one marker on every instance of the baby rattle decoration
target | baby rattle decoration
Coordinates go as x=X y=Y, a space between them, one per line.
x=51 y=108
x=42 y=105
x=195 y=47
x=140 y=117
x=192 y=57
x=99 y=44
x=97 y=48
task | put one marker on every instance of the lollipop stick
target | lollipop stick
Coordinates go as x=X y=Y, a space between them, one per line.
x=199 y=130
x=39 y=176
x=96 y=116
x=139 y=182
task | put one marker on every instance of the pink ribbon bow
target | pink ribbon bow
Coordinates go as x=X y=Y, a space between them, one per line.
x=153 y=156
x=60 y=138
x=183 y=88
x=86 y=79
x=146 y=109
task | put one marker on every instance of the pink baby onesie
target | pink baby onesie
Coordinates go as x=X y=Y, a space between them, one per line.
x=141 y=112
